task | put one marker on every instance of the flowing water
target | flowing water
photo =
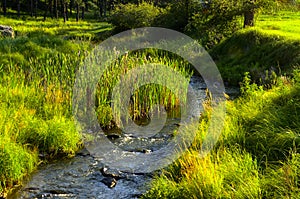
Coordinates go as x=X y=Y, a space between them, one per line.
x=85 y=176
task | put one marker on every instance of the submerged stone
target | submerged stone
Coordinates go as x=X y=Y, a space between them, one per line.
x=109 y=182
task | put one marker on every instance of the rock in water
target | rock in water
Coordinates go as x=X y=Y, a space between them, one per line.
x=7 y=31
x=109 y=182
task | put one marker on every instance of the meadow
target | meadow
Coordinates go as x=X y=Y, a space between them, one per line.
x=280 y=24
x=256 y=155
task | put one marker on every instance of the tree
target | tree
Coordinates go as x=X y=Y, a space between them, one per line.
x=77 y=3
x=19 y=8
x=252 y=7
x=31 y=8
x=249 y=13
x=71 y=6
x=51 y=8
x=56 y=8
x=102 y=4
x=35 y=9
x=4 y=7
x=65 y=9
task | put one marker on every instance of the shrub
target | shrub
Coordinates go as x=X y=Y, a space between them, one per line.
x=131 y=16
x=213 y=21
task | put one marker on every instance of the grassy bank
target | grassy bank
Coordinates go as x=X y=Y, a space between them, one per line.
x=256 y=155
x=37 y=71
x=258 y=52
x=273 y=46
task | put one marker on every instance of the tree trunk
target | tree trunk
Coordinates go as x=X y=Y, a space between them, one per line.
x=77 y=12
x=86 y=5
x=4 y=7
x=56 y=8
x=100 y=6
x=82 y=12
x=62 y=8
x=71 y=6
x=249 y=19
x=31 y=8
x=46 y=10
x=35 y=10
x=65 y=13
x=104 y=7
x=51 y=8
x=19 y=8
x=249 y=13
x=186 y=5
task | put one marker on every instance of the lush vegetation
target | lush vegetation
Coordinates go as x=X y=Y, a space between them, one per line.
x=37 y=74
x=262 y=50
x=145 y=98
x=257 y=155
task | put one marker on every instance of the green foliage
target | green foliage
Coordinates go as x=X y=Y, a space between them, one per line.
x=290 y=5
x=131 y=16
x=37 y=73
x=177 y=14
x=213 y=21
x=247 y=88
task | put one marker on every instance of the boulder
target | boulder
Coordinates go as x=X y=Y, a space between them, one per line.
x=7 y=31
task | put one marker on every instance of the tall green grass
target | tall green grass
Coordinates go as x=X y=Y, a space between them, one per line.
x=72 y=30
x=257 y=155
x=37 y=72
x=144 y=98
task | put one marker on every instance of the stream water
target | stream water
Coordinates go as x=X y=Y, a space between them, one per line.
x=85 y=176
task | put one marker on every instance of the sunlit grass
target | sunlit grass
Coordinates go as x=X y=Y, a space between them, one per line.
x=37 y=71
x=283 y=23
x=71 y=29
x=256 y=156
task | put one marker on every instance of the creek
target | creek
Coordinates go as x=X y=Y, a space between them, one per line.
x=85 y=176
